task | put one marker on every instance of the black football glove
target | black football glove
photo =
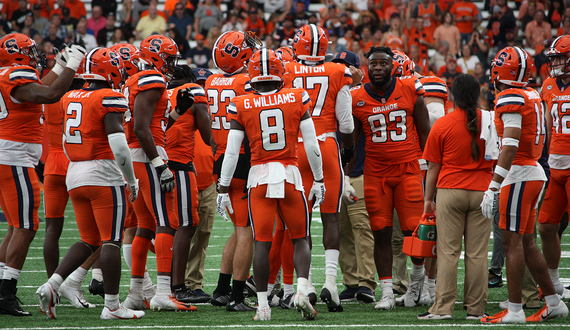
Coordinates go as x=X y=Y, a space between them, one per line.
x=184 y=100
x=166 y=178
x=40 y=171
x=346 y=155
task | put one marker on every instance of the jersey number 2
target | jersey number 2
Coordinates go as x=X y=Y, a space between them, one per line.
x=72 y=123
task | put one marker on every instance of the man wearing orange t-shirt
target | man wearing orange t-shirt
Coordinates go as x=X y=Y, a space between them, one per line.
x=466 y=18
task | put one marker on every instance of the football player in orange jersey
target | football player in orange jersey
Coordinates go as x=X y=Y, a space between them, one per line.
x=231 y=53
x=328 y=85
x=146 y=123
x=21 y=96
x=557 y=98
x=272 y=118
x=95 y=143
x=180 y=150
x=389 y=111
x=517 y=183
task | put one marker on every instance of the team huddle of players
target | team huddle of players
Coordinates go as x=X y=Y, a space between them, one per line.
x=282 y=125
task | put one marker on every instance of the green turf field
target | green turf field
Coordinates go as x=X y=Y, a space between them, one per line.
x=355 y=315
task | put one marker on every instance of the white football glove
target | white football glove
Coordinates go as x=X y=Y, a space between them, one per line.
x=490 y=203
x=75 y=55
x=166 y=178
x=349 y=194
x=318 y=192
x=133 y=189
x=223 y=203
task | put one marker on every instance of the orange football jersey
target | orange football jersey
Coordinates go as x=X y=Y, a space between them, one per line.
x=434 y=87
x=322 y=82
x=388 y=123
x=84 y=110
x=19 y=122
x=557 y=99
x=271 y=123
x=429 y=22
x=140 y=82
x=527 y=102
x=220 y=90
x=54 y=122
x=180 y=136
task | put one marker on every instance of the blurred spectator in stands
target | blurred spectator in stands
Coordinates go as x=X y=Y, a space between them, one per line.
x=97 y=21
x=273 y=6
x=270 y=43
x=449 y=32
x=523 y=10
x=375 y=9
x=365 y=19
x=84 y=20
x=107 y=6
x=106 y=33
x=141 y=5
x=431 y=13
x=19 y=15
x=170 y=7
x=61 y=31
x=238 y=8
x=346 y=40
x=467 y=18
x=300 y=14
x=421 y=64
x=334 y=47
x=57 y=6
x=394 y=37
x=207 y=15
x=449 y=71
x=200 y=56
x=537 y=31
x=332 y=22
x=118 y=37
x=565 y=28
x=329 y=9
x=313 y=19
x=272 y=23
x=555 y=13
x=212 y=36
x=505 y=8
x=422 y=39
x=396 y=6
x=41 y=23
x=345 y=23
x=182 y=20
x=566 y=12
x=479 y=47
x=53 y=38
x=498 y=24
x=39 y=40
x=365 y=35
x=126 y=18
x=285 y=32
x=510 y=40
x=181 y=42
x=529 y=16
x=375 y=41
x=254 y=23
x=9 y=7
x=67 y=20
x=154 y=3
x=232 y=24
x=357 y=5
x=438 y=59
x=76 y=8
x=356 y=48
x=150 y=24
x=4 y=27
x=467 y=61
x=541 y=61
x=88 y=38
x=28 y=29
x=445 y=4
x=479 y=73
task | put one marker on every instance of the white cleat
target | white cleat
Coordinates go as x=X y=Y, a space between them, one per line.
x=121 y=313
x=506 y=316
x=304 y=306
x=548 y=313
x=136 y=304
x=565 y=294
x=386 y=302
x=48 y=299
x=74 y=295
x=169 y=303
x=413 y=295
x=329 y=295
x=263 y=313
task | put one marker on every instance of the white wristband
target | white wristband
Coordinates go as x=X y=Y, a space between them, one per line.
x=494 y=184
x=174 y=115
x=57 y=69
x=501 y=171
x=157 y=161
x=510 y=142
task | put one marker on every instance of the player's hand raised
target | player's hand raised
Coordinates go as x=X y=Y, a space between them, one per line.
x=184 y=100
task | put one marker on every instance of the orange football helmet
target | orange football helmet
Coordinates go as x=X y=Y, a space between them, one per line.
x=19 y=49
x=130 y=56
x=311 y=43
x=512 y=66
x=403 y=65
x=105 y=65
x=233 y=49
x=560 y=47
x=265 y=65
x=161 y=53
x=285 y=54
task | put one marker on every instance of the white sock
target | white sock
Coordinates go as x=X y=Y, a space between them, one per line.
x=310 y=285
x=417 y=271
x=112 y=301
x=11 y=273
x=262 y=298
x=76 y=278
x=55 y=280
x=147 y=281
x=431 y=286
x=289 y=289
x=331 y=267
x=386 y=286
x=515 y=308
x=127 y=254
x=302 y=285
x=270 y=287
x=555 y=278
x=136 y=288
x=2 y=267
x=97 y=274
x=552 y=300
x=163 y=285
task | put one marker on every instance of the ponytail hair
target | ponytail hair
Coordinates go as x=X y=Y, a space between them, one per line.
x=466 y=91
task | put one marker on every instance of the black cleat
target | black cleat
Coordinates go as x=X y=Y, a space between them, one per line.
x=192 y=297
x=328 y=298
x=312 y=298
x=251 y=287
x=96 y=288
x=495 y=281
x=243 y=306
x=349 y=294
x=366 y=295
x=10 y=305
x=220 y=299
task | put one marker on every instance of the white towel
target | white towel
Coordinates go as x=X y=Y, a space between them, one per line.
x=489 y=135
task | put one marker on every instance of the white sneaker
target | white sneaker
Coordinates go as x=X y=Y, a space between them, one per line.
x=304 y=306
x=329 y=295
x=414 y=293
x=74 y=295
x=506 y=316
x=565 y=294
x=386 y=302
x=504 y=304
x=121 y=313
x=548 y=313
x=263 y=313
x=430 y=316
x=169 y=303
x=136 y=304
x=48 y=299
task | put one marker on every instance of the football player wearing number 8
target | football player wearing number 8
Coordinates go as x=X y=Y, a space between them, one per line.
x=328 y=85
x=272 y=119
x=388 y=110
x=517 y=182
x=21 y=97
x=146 y=126
x=556 y=96
x=96 y=145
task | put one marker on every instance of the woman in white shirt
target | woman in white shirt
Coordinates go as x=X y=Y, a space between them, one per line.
x=468 y=62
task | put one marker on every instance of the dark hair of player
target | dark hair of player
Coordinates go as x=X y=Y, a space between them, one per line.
x=385 y=50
